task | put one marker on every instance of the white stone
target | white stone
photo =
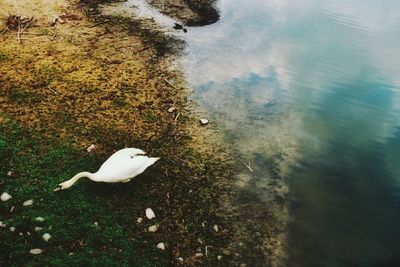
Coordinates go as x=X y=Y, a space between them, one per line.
x=46 y=237
x=90 y=148
x=161 y=246
x=12 y=209
x=96 y=224
x=2 y=224
x=179 y=259
x=38 y=229
x=36 y=251
x=139 y=220
x=215 y=227
x=5 y=196
x=219 y=257
x=39 y=219
x=21 y=234
x=10 y=173
x=12 y=228
x=153 y=228
x=203 y=121
x=171 y=109
x=150 y=214
x=28 y=203
x=28 y=233
x=199 y=255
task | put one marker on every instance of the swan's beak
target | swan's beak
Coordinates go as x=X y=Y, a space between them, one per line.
x=58 y=188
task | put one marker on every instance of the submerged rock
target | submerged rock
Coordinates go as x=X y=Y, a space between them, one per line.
x=5 y=196
x=150 y=214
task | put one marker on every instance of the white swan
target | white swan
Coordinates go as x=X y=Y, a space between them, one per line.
x=121 y=167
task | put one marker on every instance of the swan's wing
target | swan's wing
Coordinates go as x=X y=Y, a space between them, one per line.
x=116 y=169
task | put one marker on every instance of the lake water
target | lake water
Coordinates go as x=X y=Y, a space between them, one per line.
x=309 y=91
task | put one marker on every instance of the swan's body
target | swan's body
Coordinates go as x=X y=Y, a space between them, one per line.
x=121 y=167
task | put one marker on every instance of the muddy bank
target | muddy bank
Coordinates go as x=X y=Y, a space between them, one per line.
x=190 y=12
x=74 y=81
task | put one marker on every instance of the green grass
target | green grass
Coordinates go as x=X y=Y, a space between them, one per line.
x=40 y=164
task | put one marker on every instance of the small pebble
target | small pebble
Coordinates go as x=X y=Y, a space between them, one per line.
x=153 y=228
x=203 y=121
x=39 y=219
x=90 y=148
x=21 y=234
x=46 y=237
x=199 y=255
x=28 y=203
x=219 y=257
x=5 y=196
x=215 y=227
x=12 y=228
x=203 y=224
x=36 y=251
x=179 y=259
x=161 y=246
x=150 y=214
x=28 y=233
x=10 y=173
x=139 y=220
x=38 y=229
x=243 y=265
x=12 y=209
x=96 y=224
x=171 y=109
x=2 y=224
x=70 y=254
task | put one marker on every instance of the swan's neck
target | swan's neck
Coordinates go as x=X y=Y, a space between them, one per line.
x=78 y=176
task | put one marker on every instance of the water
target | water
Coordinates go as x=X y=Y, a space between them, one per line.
x=309 y=91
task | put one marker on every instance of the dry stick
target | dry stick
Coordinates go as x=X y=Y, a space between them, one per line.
x=52 y=90
x=248 y=166
x=177 y=116
x=169 y=83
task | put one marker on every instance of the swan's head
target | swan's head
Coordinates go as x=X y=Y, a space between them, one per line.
x=64 y=185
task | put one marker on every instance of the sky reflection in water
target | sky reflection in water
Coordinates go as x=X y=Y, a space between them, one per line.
x=313 y=86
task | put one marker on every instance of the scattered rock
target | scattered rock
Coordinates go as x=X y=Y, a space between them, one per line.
x=179 y=259
x=70 y=254
x=36 y=251
x=39 y=219
x=96 y=224
x=153 y=228
x=203 y=224
x=139 y=220
x=203 y=121
x=90 y=148
x=2 y=224
x=12 y=228
x=28 y=203
x=199 y=255
x=150 y=214
x=215 y=227
x=5 y=196
x=12 y=209
x=21 y=234
x=46 y=237
x=219 y=257
x=38 y=229
x=10 y=173
x=161 y=246
x=243 y=265
x=171 y=109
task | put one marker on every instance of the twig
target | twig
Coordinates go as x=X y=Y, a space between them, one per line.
x=206 y=249
x=169 y=83
x=248 y=166
x=52 y=90
x=177 y=116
